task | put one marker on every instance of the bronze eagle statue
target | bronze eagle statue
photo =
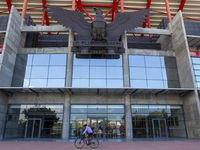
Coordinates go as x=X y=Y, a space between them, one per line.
x=98 y=30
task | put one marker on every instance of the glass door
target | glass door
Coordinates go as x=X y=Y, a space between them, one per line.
x=33 y=128
x=159 y=128
x=98 y=127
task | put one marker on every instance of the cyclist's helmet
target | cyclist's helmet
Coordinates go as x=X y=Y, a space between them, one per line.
x=85 y=125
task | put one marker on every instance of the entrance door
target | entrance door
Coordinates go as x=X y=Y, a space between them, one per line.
x=159 y=128
x=98 y=126
x=33 y=128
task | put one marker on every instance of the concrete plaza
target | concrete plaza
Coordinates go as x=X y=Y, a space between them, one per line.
x=136 y=145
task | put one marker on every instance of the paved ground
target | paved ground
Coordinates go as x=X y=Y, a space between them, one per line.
x=139 y=145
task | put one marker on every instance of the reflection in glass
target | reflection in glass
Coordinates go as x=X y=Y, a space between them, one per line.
x=80 y=72
x=114 y=83
x=58 y=59
x=114 y=72
x=154 y=73
x=97 y=72
x=39 y=72
x=56 y=83
x=98 y=83
x=152 y=61
x=38 y=83
x=157 y=70
x=51 y=116
x=137 y=61
x=80 y=83
x=57 y=72
x=106 y=120
x=158 y=120
x=41 y=59
x=137 y=73
x=139 y=83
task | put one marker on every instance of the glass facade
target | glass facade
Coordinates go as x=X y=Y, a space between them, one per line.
x=34 y=121
x=107 y=121
x=196 y=68
x=97 y=72
x=40 y=70
x=153 y=72
x=158 y=121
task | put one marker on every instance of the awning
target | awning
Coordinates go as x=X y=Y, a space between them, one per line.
x=123 y=91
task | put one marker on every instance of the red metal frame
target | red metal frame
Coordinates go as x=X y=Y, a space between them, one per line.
x=122 y=6
x=113 y=8
x=9 y=5
x=45 y=15
x=182 y=5
x=145 y=23
x=168 y=11
x=24 y=9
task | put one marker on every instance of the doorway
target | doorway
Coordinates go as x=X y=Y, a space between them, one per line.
x=33 y=128
x=159 y=128
x=98 y=127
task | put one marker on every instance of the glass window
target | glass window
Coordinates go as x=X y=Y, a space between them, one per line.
x=196 y=67
x=26 y=83
x=80 y=72
x=57 y=72
x=115 y=109
x=27 y=72
x=78 y=108
x=97 y=109
x=39 y=72
x=152 y=61
x=155 y=84
x=139 y=83
x=114 y=72
x=58 y=59
x=29 y=59
x=81 y=62
x=97 y=83
x=115 y=62
x=98 y=62
x=114 y=83
x=154 y=73
x=80 y=83
x=137 y=73
x=41 y=59
x=97 y=72
x=195 y=60
x=56 y=83
x=136 y=61
x=38 y=83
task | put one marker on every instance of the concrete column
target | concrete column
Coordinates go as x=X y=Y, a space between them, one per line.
x=70 y=60
x=66 y=118
x=3 y=109
x=126 y=74
x=128 y=117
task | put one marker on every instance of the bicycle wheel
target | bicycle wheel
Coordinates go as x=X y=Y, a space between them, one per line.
x=79 y=143
x=94 y=143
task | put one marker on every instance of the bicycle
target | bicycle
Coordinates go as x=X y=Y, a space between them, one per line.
x=80 y=142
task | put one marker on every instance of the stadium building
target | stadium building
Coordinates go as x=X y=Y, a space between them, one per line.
x=149 y=91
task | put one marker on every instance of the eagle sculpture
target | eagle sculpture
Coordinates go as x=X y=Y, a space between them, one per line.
x=98 y=30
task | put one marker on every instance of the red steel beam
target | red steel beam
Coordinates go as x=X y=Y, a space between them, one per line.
x=108 y=12
x=73 y=4
x=182 y=5
x=122 y=6
x=9 y=5
x=145 y=23
x=79 y=6
x=113 y=9
x=168 y=11
x=45 y=15
x=24 y=9
x=87 y=13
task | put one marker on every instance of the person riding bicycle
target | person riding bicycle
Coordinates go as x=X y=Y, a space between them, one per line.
x=89 y=133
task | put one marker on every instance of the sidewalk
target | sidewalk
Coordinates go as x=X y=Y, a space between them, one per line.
x=141 y=145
